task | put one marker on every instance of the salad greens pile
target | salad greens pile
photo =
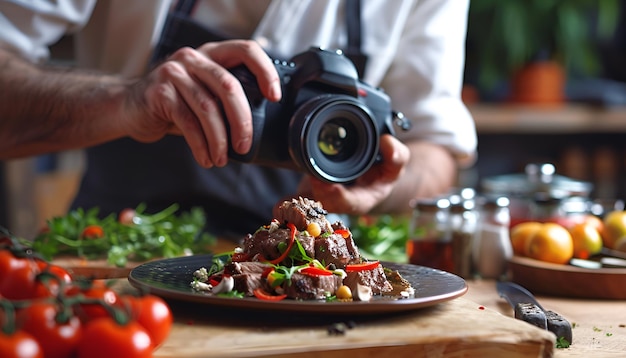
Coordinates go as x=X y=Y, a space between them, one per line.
x=82 y=233
x=381 y=237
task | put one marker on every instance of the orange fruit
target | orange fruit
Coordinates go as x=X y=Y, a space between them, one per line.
x=586 y=239
x=521 y=233
x=594 y=221
x=551 y=243
x=614 y=228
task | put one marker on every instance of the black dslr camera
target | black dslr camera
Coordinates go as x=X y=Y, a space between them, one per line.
x=328 y=123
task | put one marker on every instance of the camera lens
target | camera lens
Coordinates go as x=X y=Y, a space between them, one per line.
x=334 y=137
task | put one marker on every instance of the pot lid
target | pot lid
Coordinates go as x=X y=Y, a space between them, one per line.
x=538 y=178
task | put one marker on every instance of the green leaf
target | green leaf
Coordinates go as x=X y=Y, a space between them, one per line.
x=167 y=233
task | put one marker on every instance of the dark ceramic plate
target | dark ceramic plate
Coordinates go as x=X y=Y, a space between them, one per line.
x=170 y=279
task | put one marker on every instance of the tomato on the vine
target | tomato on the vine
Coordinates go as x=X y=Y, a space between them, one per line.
x=61 y=273
x=19 y=344
x=27 y=280
x=21 y=284
x=153 y=314
x=9 y=263
x=57 y=331
x=100 y=294
x=122 y=340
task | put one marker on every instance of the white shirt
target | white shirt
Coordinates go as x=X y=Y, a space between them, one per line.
x=416 y=47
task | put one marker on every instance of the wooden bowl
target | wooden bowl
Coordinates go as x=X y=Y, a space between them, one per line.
x=568 y=281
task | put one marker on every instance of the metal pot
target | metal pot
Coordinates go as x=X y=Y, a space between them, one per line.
x=540 y=194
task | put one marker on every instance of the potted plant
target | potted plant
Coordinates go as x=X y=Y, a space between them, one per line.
x=536 y=44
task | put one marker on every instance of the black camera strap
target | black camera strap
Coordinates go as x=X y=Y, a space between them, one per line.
x=354 y=28
x=180 y=30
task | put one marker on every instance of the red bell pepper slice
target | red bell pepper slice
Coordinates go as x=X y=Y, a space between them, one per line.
x=363 y=266
x=292 y=238
x=315 y=271
x=344 y=233
x=263 y=295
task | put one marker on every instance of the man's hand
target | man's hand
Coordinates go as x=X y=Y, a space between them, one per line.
x=186 y=94
x=369 y=190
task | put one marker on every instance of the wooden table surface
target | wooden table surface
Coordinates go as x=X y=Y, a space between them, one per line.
x=478 y=324
x=599 y=326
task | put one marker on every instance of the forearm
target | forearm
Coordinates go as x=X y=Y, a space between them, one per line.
x=48 y=110
x=431 y=171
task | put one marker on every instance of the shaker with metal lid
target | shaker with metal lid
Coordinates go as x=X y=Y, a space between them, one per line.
x=491 y=247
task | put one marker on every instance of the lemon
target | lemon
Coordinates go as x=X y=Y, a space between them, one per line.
x=586 y=239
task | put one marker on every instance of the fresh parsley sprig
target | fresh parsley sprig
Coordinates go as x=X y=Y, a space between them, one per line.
x=167 y=233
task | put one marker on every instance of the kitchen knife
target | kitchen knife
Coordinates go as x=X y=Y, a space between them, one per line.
x=529 y=310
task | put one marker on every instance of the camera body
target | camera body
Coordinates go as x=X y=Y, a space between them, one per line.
x=328 y=123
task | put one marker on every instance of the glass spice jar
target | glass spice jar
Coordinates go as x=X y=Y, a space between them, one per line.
x=429 y=241
x=462 y=221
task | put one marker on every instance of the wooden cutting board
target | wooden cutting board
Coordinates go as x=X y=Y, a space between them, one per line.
x=458 y=328
x=101 y=269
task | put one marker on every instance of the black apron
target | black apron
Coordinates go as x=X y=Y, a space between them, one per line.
x=237 y=199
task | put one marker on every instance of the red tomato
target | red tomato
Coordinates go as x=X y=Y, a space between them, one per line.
x=51 y=278
x=262 y=295
x=22 y=284
x=19 y=345
x=128 y=340
x=56 y=270
x=126 y=216
x=93 y=232
x=364 y=266
x=153 y=314
x=57 y=337
x=97 y=291
x=8 y=263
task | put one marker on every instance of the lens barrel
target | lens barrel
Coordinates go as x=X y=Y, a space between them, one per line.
x=334 y=137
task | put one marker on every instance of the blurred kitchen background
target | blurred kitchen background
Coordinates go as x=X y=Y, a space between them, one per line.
x=544 y=79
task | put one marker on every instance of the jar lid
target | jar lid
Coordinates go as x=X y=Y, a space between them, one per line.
x=538 y=178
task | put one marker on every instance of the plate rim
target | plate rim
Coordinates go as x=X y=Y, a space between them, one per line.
x=370 y=307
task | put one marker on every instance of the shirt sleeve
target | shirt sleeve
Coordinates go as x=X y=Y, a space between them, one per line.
x=29 y=27
x=426 y=76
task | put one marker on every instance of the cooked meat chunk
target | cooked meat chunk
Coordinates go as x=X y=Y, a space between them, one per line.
x=301 y=212
x=309 y=287
x=335 y=249
x=246 y=275
x=245 y=267
x=265 y=243
x=375 y=279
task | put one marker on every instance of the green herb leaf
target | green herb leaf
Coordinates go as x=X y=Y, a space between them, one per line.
x=163 y=234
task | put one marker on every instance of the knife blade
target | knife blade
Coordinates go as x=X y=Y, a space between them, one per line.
x=528 y=309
